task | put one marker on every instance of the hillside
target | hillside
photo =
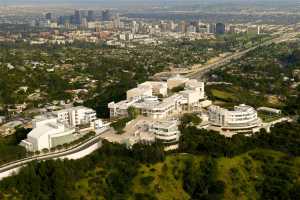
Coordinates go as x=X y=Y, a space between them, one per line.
x=208 y=166
x=242 y=175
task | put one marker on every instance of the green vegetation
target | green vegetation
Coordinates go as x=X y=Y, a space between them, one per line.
x=189 y=119
x=229 y=95
x=9 y=148
x=266 y=76
x=133 y=112
x=208 y=166
x=200 y=181
x=42 y=74
x=120 y=124
x=222 y=95
x=268 y=117
x=245 y=176
x=168 y=176
x=284 y=137
x=115 y=168
x=94 y=74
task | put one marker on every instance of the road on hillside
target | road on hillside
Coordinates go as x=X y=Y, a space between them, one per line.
x=54 y=155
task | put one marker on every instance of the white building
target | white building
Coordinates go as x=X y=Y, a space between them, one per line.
x=2 y=119
x=176 y=81
x=142 y=98
x=242 y=118
x=192 y=97
x=166 y=132
x=148 y=106
x=158 y=88
x=270 y=110
x=76 y=116
x=48 y=133
x=60 y=127
x=148 y=88
x=197 y=86
x=139 y=91
x=152 y=107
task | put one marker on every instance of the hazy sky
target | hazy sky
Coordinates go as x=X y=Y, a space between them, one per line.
x=141 y=1
x=149 y=2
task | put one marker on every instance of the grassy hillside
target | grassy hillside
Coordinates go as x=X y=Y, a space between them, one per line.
x=242 y=176
x=165 y=179
x=209 y=167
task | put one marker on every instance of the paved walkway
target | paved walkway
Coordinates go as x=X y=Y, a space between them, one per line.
x=130 y=131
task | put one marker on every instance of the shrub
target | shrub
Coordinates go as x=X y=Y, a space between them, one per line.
x=146 y=180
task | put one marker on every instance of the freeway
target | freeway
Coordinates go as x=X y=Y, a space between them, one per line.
x=54 y=155
x=199 y=74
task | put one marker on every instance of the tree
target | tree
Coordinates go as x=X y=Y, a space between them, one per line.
x=146 y=180
x=120 y=124
x=133 y=112
x=199 y=180
x=45 y=150
x=21 y=134
x=189 y=119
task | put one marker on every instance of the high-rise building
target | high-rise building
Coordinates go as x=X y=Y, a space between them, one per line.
x=77 y=17
x=194 y=23
x=48 y=16
x=212 y=28
x=43 y=22
x=191 y=29
x=171 y=25
x=220 y=28
x=202 y=28
x=107 y=15
x=142 y=28
x=163 y=26
x=67 y=24
x=91 y=16
x=63 y=19
x=182 y=27
x=83 y=13
x=134 y=27
x=117 y=21
x=84 y=23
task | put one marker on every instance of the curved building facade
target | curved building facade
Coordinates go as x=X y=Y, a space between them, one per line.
x=241 y=118
x=167 y=133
